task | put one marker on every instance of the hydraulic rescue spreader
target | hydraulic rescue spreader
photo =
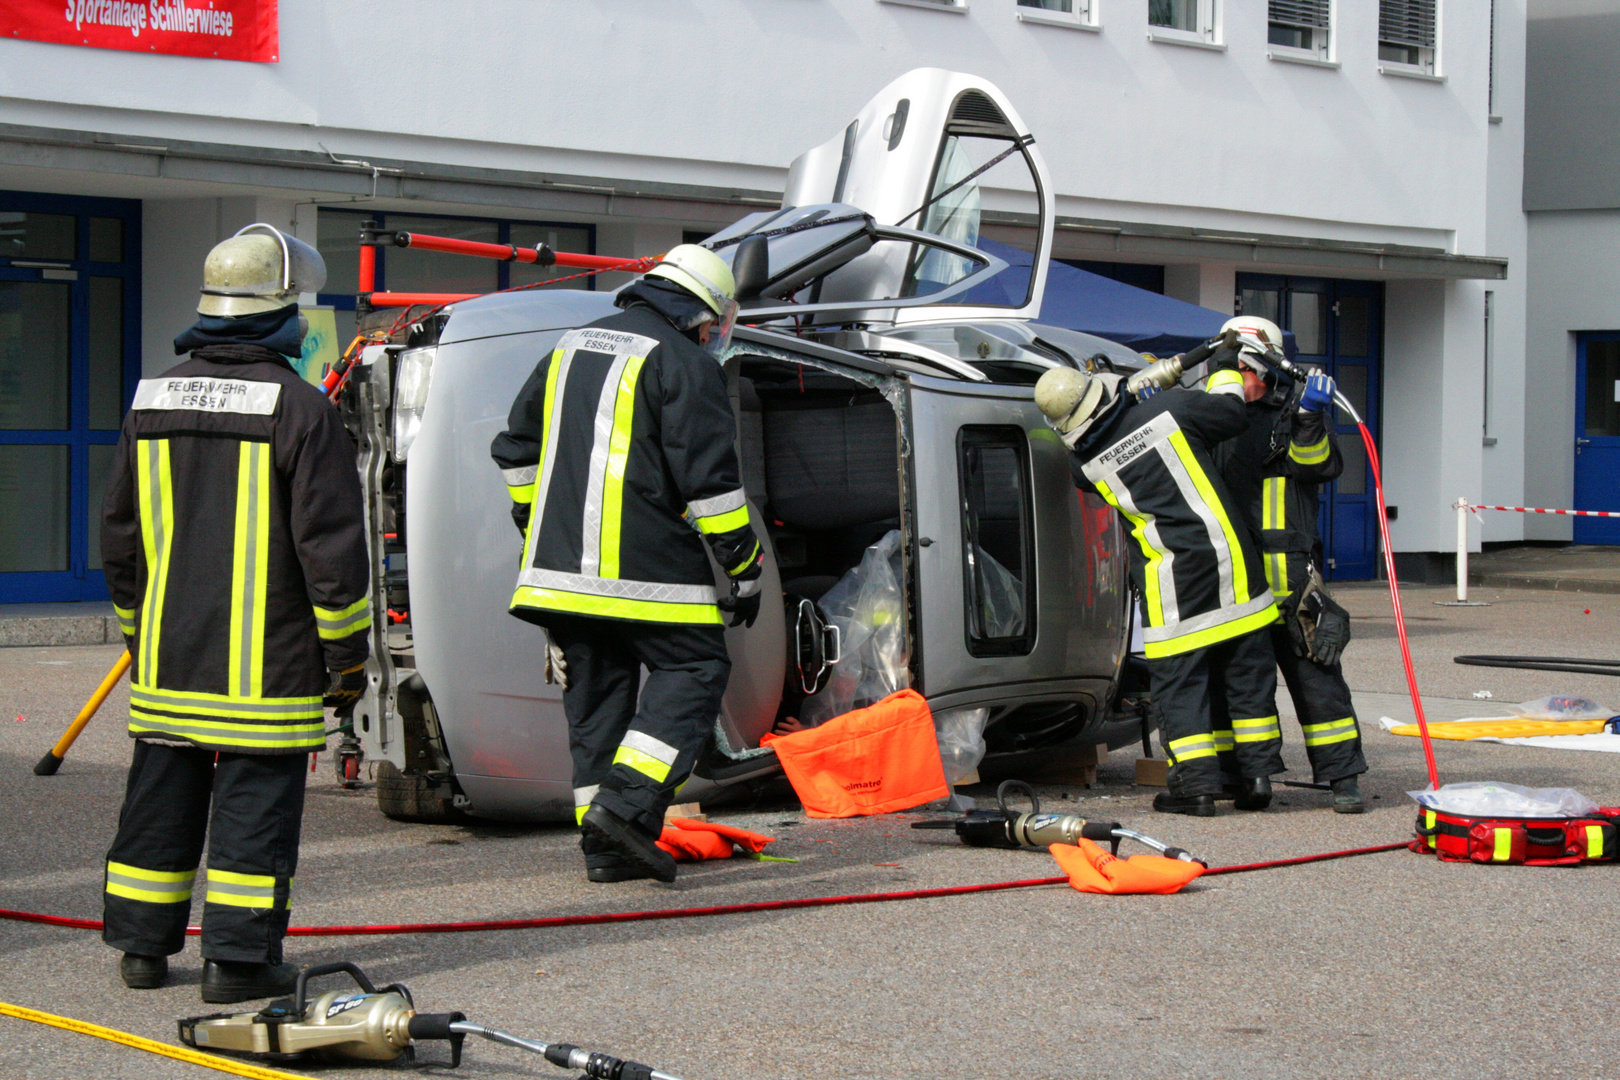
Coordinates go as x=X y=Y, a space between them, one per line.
x=374 y=1025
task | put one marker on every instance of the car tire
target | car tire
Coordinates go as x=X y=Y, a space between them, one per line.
x=412 y=798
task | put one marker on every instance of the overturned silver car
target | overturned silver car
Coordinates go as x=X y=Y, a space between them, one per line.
x=920 y=523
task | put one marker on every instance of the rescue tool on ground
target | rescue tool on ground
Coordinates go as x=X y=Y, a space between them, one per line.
x=374 y=1025
x=1008 y=828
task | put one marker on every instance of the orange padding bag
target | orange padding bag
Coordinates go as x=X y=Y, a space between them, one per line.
x=696 y=841
x=875 y=760
x=1091 y=869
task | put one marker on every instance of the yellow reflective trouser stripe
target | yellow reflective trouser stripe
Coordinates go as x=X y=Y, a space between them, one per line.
x=335 y=623
x=582 y=800
x=1223 y=739
x=1150 y=573
x=1212 y=636
x=126 y=619
x=1191 y=748
x=746 y=563
x=642 y=762
x=1206 y=491
x=1504 y=845
x=521 y=493
x=624 y=415
x=1594 y=841
x=241 y=890
x=156 y=508
x=250 y=567
x=1314 y=454
x=614 y=607
x=150 y=886
x=1334 y=731
x=1227 y=377
x=720 y=523
x=1260 y=729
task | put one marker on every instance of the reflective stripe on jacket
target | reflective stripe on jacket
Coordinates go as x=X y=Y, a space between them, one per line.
x=1193 y=561
x=620 y=457
x=1277 y=490
x=234 y=544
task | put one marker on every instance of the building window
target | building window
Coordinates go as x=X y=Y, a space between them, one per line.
x=1077 y=13
x=958 y=6
x=998 y=551
x=1406 y=36
x=1183 y=22
x=1299 y=29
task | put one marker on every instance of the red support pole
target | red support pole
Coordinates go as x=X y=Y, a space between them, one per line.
x=368 y=268
x=412 y=299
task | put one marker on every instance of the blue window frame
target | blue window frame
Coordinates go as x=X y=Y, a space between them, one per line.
x=69 y=361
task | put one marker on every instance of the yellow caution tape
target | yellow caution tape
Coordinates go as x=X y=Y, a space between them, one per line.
x=1503 y=729
x=179 y=1053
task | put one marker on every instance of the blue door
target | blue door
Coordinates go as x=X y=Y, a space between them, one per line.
x=69 y=360
x=1338 y=327
x=1597 y=435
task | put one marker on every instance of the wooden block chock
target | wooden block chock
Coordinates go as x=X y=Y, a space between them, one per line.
x=1078 y=766
x=1152 y=772
x=690 y=810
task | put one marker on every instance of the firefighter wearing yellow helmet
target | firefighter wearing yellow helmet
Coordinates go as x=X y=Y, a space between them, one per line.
x=1205 y=606
x=620 y=456
x=234 y=543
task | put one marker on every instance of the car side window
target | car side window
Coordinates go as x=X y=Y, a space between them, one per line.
x=998 y=540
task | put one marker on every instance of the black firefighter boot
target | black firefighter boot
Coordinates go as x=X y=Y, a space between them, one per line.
x=225 y=982
x=1255 y=795
x=1191 y=805
x=628 y=839
x=143 y=972
x=1347 y=797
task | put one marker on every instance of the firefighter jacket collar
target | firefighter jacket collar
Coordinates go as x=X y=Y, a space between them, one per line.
x=277 y=330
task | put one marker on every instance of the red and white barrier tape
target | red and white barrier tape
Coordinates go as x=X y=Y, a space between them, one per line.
x=1540 y=510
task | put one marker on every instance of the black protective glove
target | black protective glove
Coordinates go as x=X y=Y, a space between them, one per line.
x=1224 y=358
x=1332 y=633
x=345 y=688
x=744 y=609
x=520 y=517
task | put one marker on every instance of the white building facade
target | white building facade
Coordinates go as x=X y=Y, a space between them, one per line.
x=1353 y=169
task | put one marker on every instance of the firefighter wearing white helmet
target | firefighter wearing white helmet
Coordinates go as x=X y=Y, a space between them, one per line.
x=234 y=544
x=1205 y=606
x=632 y=420
x=1275 y=469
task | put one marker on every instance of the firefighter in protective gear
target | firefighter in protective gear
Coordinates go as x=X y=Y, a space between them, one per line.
x=620 y=456
x=1274 y=470
x=235 y=553
x=1205 y=605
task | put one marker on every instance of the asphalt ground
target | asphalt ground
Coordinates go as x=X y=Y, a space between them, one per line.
x=1390 y=965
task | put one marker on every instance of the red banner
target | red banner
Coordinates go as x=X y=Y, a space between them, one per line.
x=223 y=29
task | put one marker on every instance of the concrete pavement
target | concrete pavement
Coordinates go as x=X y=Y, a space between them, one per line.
x=1390 y=965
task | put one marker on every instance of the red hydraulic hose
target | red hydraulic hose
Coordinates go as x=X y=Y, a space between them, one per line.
x=1395 y=598
x=690 y=912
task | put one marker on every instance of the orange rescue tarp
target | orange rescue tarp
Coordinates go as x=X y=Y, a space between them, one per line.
x=875 y=760
x=695 y=841
x=1091 y=869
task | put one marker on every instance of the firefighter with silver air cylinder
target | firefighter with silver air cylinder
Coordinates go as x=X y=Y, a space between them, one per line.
x=1205 y=604
x=234 y=544
x=620 y=457
x=1274 y=469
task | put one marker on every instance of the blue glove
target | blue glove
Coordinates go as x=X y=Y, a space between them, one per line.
x=1319 y=391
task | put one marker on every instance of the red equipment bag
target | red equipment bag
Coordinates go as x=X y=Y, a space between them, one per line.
x=1520 y=841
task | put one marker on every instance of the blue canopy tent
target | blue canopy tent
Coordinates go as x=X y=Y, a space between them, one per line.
x=1080 y=300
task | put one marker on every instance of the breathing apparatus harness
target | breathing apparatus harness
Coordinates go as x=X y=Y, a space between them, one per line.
x=374 y=1025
